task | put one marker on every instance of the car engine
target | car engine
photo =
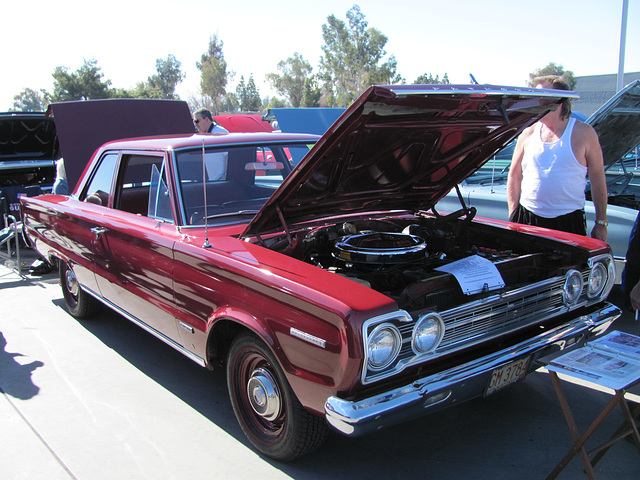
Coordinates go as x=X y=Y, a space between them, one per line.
x=398 y=256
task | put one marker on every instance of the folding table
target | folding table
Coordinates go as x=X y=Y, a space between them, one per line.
x=591 y=458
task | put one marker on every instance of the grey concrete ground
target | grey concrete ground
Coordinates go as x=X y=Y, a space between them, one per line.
x=102 y=399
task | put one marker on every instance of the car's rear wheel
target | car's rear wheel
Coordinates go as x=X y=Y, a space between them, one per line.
x=269 y=414
x=79 y=303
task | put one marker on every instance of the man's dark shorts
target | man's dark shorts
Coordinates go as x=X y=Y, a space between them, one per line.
x=574 y=222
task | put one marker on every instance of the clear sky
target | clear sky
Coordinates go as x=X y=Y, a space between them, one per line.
x=499 y=41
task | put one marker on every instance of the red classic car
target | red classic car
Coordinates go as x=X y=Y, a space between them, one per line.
x=341 y=298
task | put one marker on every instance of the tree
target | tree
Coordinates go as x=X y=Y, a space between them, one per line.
x=142 y=90
x=83 y=84
x=240 y=93
x=352 y=56
x=248 y=95
x=230 y=103
x=168 y=76
x=163 y=83
x=295 y=73
x=122 y=93
x=275 y=102
x=214 y=75
x=31 y=101
x=428 y=78
x=553 y=69
x=312 y=93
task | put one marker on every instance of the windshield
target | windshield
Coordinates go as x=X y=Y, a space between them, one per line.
x=238 y=179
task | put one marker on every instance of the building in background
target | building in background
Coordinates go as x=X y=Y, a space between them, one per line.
x=595 y=90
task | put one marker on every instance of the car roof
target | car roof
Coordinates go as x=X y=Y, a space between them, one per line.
x=175 y=142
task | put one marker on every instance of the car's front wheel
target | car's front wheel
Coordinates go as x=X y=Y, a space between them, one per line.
x=269 y=414
x=79 y=303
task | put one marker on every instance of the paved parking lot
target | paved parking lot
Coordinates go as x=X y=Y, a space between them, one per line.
x=102 y=399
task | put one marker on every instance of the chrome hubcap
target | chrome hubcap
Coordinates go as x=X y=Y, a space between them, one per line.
x=72 y=283
x=264 y=394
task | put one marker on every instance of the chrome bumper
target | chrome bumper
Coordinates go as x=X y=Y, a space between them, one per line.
x=457 y=384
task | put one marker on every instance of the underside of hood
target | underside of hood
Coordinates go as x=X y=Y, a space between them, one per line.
x=86 y=124
x=402 y=148
x=28 y=137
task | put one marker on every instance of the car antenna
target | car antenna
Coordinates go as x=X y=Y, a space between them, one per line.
x=204 y=188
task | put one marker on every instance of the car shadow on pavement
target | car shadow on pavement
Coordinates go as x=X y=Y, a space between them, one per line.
x=516 y=433
x=15 y=378
x=202 y=389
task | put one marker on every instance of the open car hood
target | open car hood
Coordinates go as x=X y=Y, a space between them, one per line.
x=304 y=120
x=402 y=147
x=618 y=123
x=27 y=139
x=85 y=125
x=243 y=123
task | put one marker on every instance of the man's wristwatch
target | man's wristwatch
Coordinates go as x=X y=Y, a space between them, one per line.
x=604 y=223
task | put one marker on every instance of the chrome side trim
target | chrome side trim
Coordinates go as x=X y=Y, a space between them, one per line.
x=307 y=337
x=149 y=329
x=464 y=381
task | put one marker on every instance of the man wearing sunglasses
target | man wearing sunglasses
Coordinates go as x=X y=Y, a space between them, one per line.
x=205 y=123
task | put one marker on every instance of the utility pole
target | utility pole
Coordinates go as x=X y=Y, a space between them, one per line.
x=623 y=42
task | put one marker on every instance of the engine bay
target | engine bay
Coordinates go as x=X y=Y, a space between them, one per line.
x=398 y=256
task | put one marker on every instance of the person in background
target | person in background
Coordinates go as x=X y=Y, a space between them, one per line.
x=60 y=186
x=549 y=169
x=205 y=123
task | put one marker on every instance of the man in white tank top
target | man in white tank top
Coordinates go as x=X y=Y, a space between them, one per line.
x=549 y=168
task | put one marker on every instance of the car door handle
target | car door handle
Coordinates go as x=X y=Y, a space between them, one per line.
x=99 y=230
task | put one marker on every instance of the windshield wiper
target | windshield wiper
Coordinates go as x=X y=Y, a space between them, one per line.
x=232 y=214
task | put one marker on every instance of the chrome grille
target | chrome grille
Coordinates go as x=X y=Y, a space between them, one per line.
x=493 y=316
x=483 y=320
x=498 y=317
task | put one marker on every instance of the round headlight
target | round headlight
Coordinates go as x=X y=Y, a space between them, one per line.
x=383 y=346
x=572 y=287
x=427 y=333
x=597 y=279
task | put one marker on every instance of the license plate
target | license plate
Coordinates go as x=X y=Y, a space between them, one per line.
x=507 y=374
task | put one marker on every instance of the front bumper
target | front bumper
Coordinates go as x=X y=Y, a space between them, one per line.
x=458 y=384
